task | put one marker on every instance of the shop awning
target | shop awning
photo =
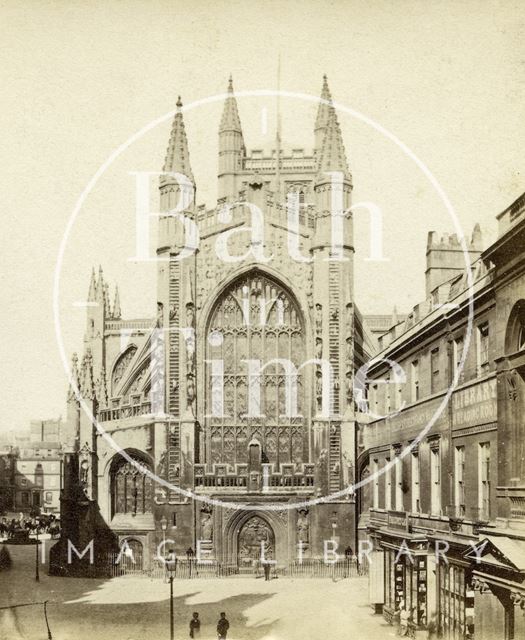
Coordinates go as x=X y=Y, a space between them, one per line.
x=500 y=551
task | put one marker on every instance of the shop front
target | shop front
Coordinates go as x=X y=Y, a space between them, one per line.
x=405 y=573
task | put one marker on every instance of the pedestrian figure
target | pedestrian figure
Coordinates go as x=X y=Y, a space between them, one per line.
x=195 y=626
x=222 y=627
x=267 y=570
x=403 y=622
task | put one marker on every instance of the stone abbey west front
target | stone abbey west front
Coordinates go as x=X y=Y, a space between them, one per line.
x=156 y=397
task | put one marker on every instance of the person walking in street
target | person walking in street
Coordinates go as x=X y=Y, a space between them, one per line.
x=222 y=627
x=195 y=625
x=267 y=571
x=403 y=622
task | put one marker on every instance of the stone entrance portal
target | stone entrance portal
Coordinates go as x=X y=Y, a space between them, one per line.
x=255 y=536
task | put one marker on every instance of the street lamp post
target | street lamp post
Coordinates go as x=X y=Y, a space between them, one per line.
x=171 y=565
x=37 y=573
x=164 y=527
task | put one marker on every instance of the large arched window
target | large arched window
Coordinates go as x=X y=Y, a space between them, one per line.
x=131 y=488
x=259 y=320
x=121 y=366
x=515 y=333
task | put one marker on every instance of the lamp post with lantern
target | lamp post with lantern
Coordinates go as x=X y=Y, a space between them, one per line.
x=164 y=527
x=171 y=566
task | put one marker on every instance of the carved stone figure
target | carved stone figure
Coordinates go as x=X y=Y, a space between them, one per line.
x=319 y=390
x=318 y=318
x=303 y=527
x=349 y=349
x=207 y=526
x=190 y=393
x=190 y=348
x=160 y=314
x=190 y=315
x=84 y=472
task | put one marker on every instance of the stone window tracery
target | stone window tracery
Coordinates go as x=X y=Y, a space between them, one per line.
x=121 y=366
x=131 y=488
x=258 y=320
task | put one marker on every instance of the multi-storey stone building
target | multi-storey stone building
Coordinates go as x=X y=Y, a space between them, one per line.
x=279 y=303
x=35 y=468
x=444 y=503
x=7 y=478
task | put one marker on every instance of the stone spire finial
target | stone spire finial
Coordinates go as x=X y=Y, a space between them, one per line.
x=177 y=155
x=74 y=385
x=332 y=156
x=323 y=109
x=100 y=286
x=92 y=293
x=323 y=112
x=102 y=389
x=88 y=387
x=106 y=299
x=230 y=120
x=117 y=313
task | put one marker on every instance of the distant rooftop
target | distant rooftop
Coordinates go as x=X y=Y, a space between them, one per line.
x=509 y=216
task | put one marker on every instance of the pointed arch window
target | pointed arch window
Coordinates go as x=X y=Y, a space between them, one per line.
x=256 y=319
x=121 y=366
x=131 y=487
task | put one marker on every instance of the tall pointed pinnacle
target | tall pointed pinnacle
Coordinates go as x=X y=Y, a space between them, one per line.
x=100 y=283
x=74 y=385
x=332 y=156
x=88 y=386
x=323 y=109
x=102 y=389
x=177 y=155
x=107 y=306
x=117 y=313
x=232 y=150
x=92 y=293
x=230 y=120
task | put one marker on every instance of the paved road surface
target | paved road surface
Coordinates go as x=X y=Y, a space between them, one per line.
x=132 y=608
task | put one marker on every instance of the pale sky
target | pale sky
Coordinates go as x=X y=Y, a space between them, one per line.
x=79 y=78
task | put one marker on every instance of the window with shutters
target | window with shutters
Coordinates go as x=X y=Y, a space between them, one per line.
x=483 y=348
x=459 y=473
x=435 y=480
x=435 y=382
x=399 y=484
x=415 y=480
x=415 y=381
x=388 y=485
x=375 y=494
x=484 y=479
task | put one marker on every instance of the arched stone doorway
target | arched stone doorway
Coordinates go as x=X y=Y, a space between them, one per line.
x=255 y=539
x=132 y=554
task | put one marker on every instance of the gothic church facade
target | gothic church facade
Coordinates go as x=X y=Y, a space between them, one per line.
x=155 y=393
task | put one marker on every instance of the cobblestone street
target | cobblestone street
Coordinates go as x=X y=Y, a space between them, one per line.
x=132 y=608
